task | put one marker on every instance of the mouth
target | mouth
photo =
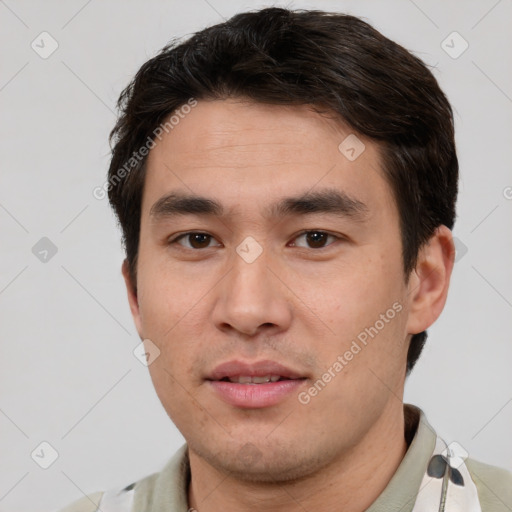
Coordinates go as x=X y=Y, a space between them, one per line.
x=254 y=385
x=248 y=379
x=257 y=372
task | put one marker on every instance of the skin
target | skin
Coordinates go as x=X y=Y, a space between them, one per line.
x=296 y=304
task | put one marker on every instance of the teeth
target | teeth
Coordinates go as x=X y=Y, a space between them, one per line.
x=261 y=380
x=245 y=379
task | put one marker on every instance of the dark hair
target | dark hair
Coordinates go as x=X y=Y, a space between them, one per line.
x=335 y=63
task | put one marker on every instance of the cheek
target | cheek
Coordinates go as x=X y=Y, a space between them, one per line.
x=172 y=390
x=166 y=298
x=347 y=296
x=364 y=302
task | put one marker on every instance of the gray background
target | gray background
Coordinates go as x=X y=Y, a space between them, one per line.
x=68 y=375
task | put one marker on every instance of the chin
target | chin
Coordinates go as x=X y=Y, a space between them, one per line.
x=253 y=464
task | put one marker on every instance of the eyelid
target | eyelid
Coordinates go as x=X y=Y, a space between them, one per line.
x=337 y=237
x=176 y=238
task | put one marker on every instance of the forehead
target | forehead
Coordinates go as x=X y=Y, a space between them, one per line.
x=251 y=153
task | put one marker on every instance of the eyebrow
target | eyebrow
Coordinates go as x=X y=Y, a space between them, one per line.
x=328 y=200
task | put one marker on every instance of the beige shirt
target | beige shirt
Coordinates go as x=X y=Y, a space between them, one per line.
x=411 y=489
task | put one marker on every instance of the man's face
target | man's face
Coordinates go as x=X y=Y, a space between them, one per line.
x=302 y=300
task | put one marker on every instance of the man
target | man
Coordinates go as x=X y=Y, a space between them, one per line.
x=286 y=185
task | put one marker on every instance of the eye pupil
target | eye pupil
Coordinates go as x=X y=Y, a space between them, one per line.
x=200 y=238
x=316 y=239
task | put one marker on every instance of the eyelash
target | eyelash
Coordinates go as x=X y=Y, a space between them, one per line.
x=176 y=239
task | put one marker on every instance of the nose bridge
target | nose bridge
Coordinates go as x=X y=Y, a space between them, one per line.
x=250 y=295
x=250 y=273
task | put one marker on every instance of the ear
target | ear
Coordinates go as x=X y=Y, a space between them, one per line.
x=132 y=297
x=429 y=281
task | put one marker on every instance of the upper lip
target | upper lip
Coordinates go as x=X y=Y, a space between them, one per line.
x=236 y=368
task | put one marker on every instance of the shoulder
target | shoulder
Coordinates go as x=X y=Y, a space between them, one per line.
x=163 y=490
x=113 y=500
x=140 y=493
x=88 y=503
x=494 y=486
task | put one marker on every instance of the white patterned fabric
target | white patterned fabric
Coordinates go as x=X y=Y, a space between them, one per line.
x=117 y=500
x=459 y=494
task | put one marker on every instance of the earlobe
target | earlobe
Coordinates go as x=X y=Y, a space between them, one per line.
x=428 y=288
x=132 y=297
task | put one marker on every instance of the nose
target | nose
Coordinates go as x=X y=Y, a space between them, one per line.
x=252 y=299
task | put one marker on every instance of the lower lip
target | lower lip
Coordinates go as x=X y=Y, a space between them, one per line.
x=254 y=396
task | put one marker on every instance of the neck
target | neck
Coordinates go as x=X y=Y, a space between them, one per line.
x=352 y=482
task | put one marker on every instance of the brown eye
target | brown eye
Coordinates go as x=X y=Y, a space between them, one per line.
x=199 y=240
x=195 y=240
x=315 y=239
